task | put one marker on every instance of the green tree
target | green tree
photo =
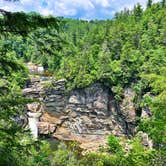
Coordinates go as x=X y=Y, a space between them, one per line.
x=137 y=11
x=149 y=3
x=63 y=156
x=163 y=3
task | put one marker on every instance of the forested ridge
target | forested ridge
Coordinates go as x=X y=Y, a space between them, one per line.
x=126 y=51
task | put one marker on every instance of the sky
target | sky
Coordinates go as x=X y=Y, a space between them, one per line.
x=79 y=9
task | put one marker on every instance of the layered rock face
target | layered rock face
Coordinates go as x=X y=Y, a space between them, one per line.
x=85 y=115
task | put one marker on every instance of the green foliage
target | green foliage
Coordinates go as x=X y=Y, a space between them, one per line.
x=22 y=23
x=118 y=91
x=114 y=144
x=156 y=77
x=97 y=159
x=114 y=51
x=138 y=155
x=64 y=157
x=135 y=156
x=40 y=155
x=138 y=12
x=149 y=4
x=163 y=3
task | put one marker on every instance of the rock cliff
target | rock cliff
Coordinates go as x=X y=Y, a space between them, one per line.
x=86 y=115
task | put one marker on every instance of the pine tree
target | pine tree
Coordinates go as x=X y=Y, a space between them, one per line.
x=138 y=11
x=149 y=4
x=163 y=3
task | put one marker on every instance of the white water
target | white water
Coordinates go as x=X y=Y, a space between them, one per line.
x=33 y=121
x=33 y=126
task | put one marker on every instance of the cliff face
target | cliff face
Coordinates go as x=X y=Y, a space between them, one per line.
x=85 y=115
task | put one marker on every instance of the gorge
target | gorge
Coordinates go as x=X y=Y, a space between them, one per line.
x=83 y=92
x=85 y=115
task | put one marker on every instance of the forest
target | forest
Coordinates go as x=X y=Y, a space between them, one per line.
x=126 y=51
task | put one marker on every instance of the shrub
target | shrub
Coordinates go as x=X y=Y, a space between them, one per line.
x=64 y=157
x=114 y=144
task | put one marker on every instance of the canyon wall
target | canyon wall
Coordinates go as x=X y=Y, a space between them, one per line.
x=85 y=115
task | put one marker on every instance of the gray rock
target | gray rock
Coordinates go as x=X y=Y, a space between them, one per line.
x=145 y=140
x=100 y=105
x=82 y=113
x=74 y=100
x=127 y=108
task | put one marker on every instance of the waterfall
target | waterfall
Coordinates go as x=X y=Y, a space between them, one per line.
x=33 y=121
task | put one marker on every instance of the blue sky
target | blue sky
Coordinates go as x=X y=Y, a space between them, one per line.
x=82 y=9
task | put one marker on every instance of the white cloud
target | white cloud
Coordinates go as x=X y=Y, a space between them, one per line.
x=72 y=8
x=105 y=3
x=46 y=12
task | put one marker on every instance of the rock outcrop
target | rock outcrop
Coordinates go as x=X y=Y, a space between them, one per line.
x=85 y=115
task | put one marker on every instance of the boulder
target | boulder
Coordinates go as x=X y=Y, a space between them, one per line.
x=145 y=140
x=35 y=107
x=74 y=100
x=46 y=128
